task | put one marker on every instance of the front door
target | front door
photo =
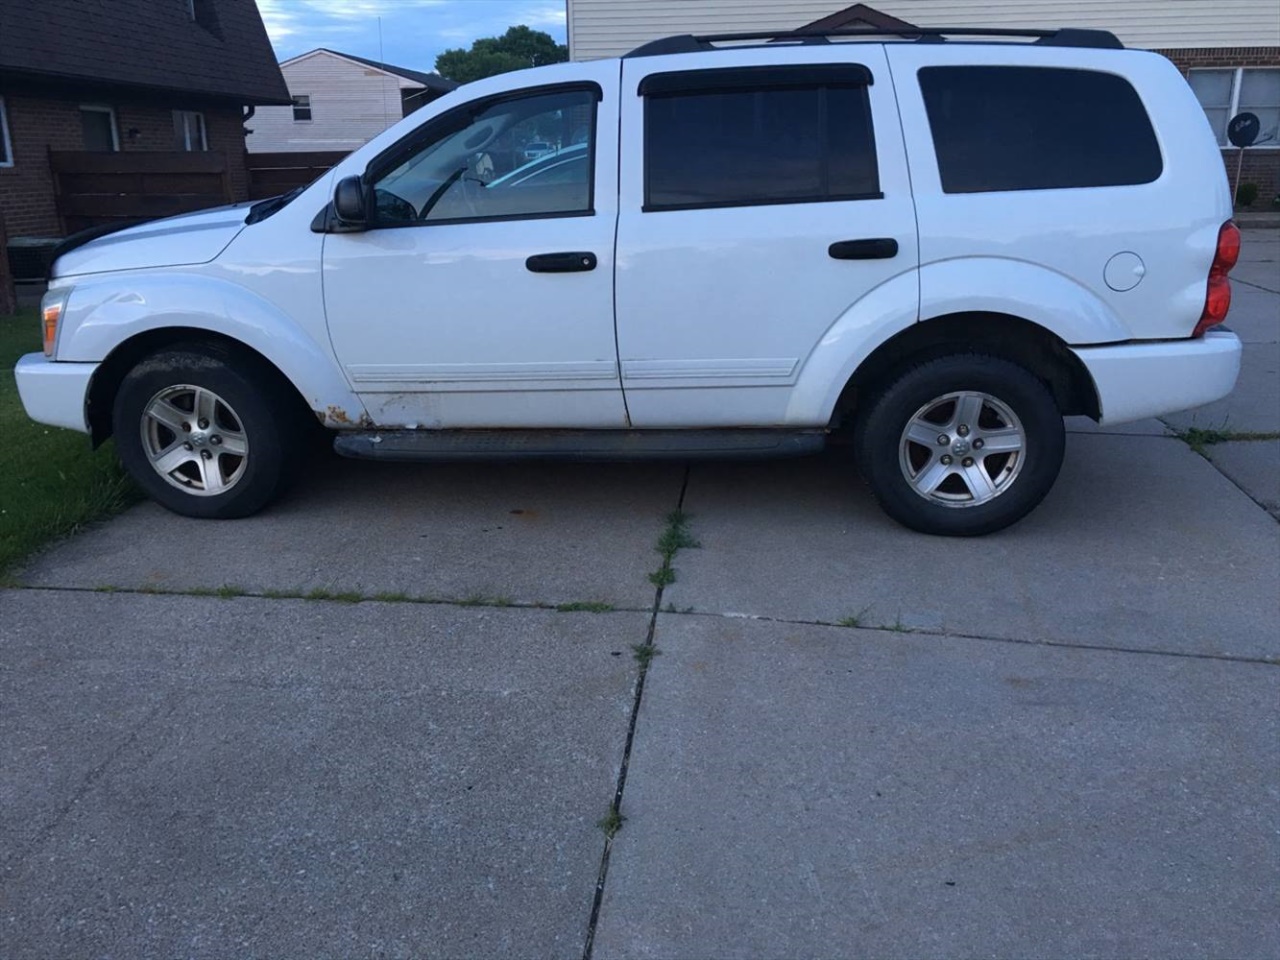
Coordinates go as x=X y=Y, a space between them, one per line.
x=760 y=202
x=482 y=294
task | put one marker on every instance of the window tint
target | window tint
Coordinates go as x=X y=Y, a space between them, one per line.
x=769 y=143
x=480 y=167
x=1037 y=128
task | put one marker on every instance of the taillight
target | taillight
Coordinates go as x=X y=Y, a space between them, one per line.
x=1217 y=300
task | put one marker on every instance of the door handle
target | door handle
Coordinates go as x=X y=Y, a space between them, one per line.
x=561 y=262
x=881 y=248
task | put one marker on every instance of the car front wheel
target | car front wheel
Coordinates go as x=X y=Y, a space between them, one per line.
x=962 y=445
x=206 y=434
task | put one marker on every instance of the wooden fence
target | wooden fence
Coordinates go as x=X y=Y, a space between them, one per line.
x=271 y=174
x=98 y=188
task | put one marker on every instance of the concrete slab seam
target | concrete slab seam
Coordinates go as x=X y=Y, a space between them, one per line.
x=660 y=581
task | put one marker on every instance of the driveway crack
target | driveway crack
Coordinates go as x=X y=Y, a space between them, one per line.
x=673 y=538
x=161 y=710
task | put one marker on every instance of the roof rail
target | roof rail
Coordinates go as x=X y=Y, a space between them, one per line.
x=689 y=43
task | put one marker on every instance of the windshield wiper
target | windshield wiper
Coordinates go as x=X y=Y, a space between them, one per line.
x=265 y=208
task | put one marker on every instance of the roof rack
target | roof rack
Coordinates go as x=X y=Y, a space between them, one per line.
x=689 y=43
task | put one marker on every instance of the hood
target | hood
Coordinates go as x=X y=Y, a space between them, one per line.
x=174 y=242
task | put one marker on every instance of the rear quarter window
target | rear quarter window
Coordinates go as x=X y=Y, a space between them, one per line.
x=1037 y=128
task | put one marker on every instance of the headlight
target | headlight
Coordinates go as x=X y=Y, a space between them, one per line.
x=51 y=308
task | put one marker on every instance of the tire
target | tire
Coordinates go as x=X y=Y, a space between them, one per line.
x=208 y=433
x=938 y=487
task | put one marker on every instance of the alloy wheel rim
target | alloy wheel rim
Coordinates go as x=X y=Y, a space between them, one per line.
x=194 y=440
x=962 y=449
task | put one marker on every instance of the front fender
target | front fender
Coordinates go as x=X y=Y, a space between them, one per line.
x=1019 y=289
x=103 y=313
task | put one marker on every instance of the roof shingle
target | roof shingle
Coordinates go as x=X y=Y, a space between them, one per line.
x=223 y=52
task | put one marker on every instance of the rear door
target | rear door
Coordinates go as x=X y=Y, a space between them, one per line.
x=758 y=202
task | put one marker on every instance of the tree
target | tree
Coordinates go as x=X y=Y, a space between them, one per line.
x=518 y=48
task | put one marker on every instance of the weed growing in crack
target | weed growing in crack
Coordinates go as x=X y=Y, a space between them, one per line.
x=859 y=619
x=644 y=653
x=1198 y=438
x=611 y=822
x=675 y=537
x=585 y=606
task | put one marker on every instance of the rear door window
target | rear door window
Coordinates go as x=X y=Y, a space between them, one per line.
x=1037 y=128
x=746 y=136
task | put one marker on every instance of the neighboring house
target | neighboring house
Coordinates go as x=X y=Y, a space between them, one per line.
x=127 y=76
x=340 y=102
x=1228 y=49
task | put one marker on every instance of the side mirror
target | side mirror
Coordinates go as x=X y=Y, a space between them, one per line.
x=348 y=202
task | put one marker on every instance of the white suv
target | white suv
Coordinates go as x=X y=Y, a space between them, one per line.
x=941 y=246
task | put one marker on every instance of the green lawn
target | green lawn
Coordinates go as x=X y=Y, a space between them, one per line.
x=50 y=483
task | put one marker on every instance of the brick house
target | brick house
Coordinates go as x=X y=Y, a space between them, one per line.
x=1229 y=50
x=128 y=76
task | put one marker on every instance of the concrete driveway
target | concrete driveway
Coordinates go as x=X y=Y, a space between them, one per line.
x=387 y=718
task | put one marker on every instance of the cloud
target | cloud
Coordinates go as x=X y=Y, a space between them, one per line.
x=407 y=32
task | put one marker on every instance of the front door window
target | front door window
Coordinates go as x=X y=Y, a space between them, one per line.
x=524 y=157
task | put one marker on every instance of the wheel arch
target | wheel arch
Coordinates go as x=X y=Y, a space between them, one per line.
x=111 y=372
x=1012 y=338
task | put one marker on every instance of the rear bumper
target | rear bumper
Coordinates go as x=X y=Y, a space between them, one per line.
x=54 y=393
x=1136 y=380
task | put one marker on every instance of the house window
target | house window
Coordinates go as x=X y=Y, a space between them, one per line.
x=302 y=108
x=189 y=131
x=6 y=146
x=1225 y=92
x=99 y=127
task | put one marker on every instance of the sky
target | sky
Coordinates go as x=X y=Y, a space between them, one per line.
x=413 y=31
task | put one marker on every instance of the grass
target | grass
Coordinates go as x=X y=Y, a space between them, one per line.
x=1197 y=438
x=858 y=619
x=611 y=822
x=51 y=485
x=644 y=653
x=585 y=606
x=675 y=537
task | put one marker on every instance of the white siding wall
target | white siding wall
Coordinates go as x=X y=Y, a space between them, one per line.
x=350 y=105
x=607 y=28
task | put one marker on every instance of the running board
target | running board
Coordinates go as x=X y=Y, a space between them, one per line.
x=444 y=445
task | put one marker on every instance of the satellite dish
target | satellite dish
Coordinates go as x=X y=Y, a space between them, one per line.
x=1243 y=129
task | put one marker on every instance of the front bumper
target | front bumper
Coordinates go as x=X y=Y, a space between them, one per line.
x=1137 y=380
x=54 y=393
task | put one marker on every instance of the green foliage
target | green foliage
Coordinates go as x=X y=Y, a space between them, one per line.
x=50 y=482
x=585 y=606
x=611 y=822
x=517 y=49
x=1246 y=194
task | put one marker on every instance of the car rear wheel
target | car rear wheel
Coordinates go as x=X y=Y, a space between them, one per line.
x=207 y=434
x=962 y=445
